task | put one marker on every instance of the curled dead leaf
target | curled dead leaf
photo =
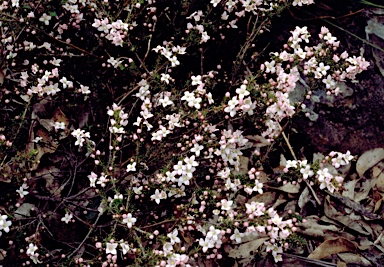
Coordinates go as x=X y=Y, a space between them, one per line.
x=369 y=159
x=378 y=174
x=333 y=246
x=287 y=188
x=314 y=229
x=357 y=224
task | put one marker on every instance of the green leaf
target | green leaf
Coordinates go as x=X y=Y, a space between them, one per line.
x=27 y=7
x=53 y=14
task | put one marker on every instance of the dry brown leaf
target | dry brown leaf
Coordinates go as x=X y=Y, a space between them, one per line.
x=365 y=188
x=258 y=141
x=50 y=175
x=243 y=168
x=349 y=189
x=288 y=188
x=369 y=159
x=350 y=204
x=268 y=198
x=245 y=249
x=351 y=258
x=357 y=225
x=3 y=253
x=47 y=145
x=314 y=229
x=378 y=198
x=305 y=196
x=278 y=202
x=378 y=174
x=333 y=246
x=2 y=75
x=24 y=211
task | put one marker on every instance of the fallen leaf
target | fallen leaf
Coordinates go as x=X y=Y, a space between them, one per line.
x=364 y=190
x=245 y=249
x=332 y=246
x=50 y=175
x=243 y=167
x=258 y=140
x=312 y=228
x=348 y=203
x=349 y=191
x=3 y=254
x=268 y=198
x=357 y=225
x=24 y=211
x=305 y=196
x=351 y=258
x=288 y=188
x=369 y=159
x=2 y=75
x=378 y=174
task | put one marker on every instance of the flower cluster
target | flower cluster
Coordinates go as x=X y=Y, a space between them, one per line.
x=188 y=139
x=80 y=136
x=118 y=119
x=325 y=173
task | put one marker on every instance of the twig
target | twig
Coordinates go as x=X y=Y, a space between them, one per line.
x=139 y=242
x=86 y=237
x=378 y=239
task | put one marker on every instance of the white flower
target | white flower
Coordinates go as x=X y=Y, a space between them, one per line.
x=111 y=248
x=206 y=243
x=215 y=2
x=67 y=218
x=114 y=62
x=237 y=236
x=173 y=237
x=174 y=61
x=31 y=249
x=165 y=78
x=196 y=149
x=125 y=247
x=131 y=167
x=242 y=91
x=129 y=220
x=66 y=83
x=191 y=162
x=84 y=89
x=165 y=101
x=258 y=187
x=21 y=190
x=158 y=196
x=4 y=224
x=92 y=179
x=291 y=164
x=45 y=18
x=196 y=80
x=59 y=125
x=214 y=234
x=15 y=3
x=226 y=205
x=307 y=172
